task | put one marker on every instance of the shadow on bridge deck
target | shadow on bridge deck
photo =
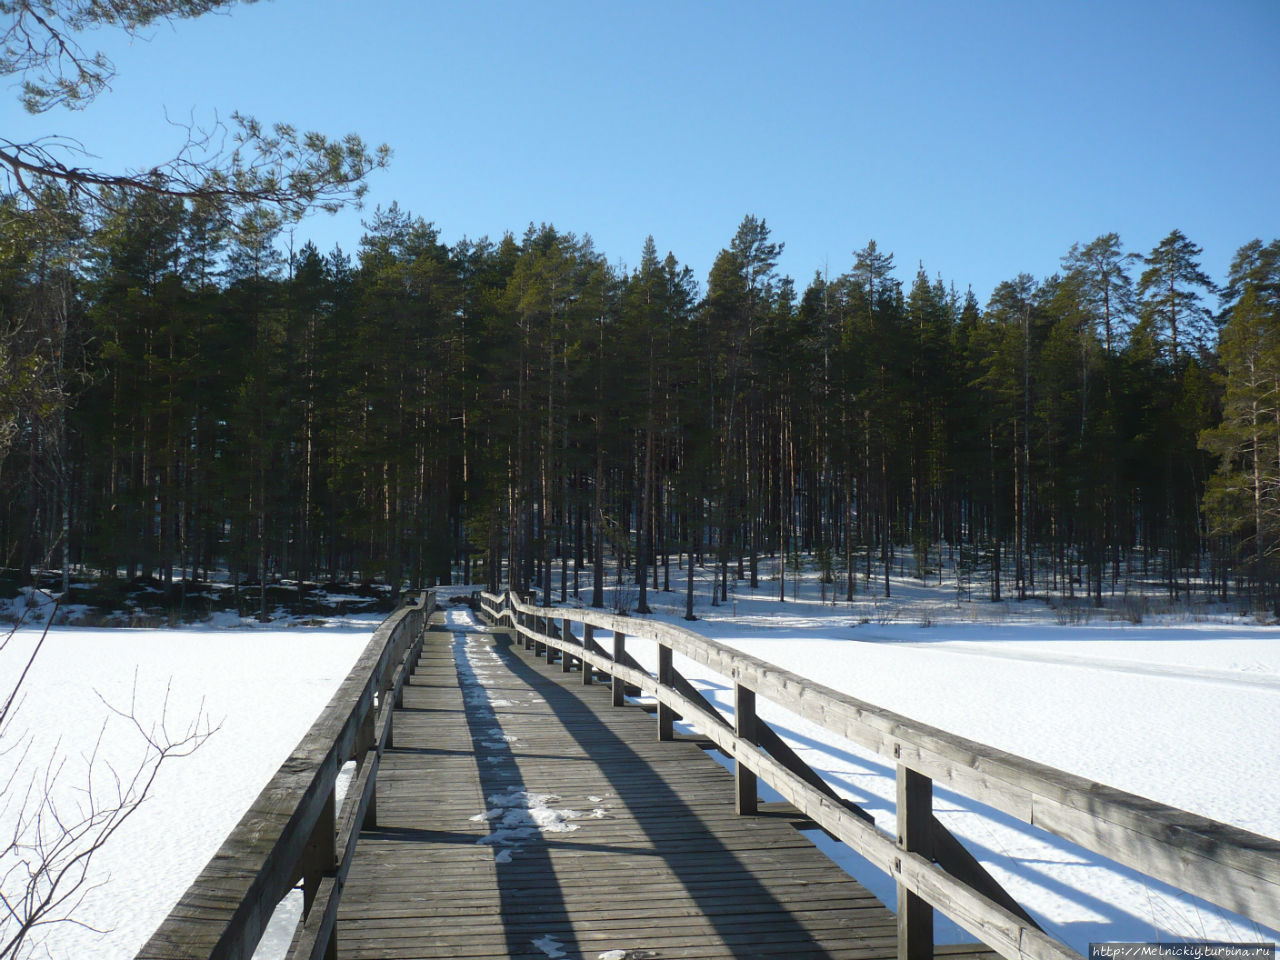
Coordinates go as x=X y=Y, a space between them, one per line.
x=521 y=815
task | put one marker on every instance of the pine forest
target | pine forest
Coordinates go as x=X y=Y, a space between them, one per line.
x=184 y=396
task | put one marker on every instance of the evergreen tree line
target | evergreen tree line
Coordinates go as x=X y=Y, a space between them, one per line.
x=181 y=392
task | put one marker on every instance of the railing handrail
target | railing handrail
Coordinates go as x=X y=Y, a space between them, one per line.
x=1223 y=864
x=288 y=832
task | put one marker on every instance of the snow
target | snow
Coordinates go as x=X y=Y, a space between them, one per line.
x=1181 y=708
x=550 y=946
x=520 y=815
x=514 y=815
x=261 y=690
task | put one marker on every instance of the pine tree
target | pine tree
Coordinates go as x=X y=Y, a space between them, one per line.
x=879 y=335
x=1256 y=265
x=1170 y=291
x=1104 y=284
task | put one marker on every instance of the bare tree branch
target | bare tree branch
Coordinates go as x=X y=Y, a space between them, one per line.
x=56 y=829
x=243 y=164
x=16 y=689
x=280 y=167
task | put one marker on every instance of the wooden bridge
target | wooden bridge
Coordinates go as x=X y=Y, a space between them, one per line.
x=511 y=801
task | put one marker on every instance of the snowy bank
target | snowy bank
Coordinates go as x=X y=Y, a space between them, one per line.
x=261 y=689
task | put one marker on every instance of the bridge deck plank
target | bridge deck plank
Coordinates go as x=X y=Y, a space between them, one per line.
x=658 y=861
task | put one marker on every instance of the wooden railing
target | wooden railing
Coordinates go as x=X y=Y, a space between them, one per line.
x=1222 y=864
x=291 y=833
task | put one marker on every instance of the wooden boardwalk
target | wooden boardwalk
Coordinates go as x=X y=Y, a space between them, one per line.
x=519 y=814
x=516 y=813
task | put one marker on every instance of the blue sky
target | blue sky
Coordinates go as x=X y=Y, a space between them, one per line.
x=980 y=138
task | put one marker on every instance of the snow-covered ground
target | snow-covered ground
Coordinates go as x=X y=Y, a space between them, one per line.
x=259 y=688
x=1147 y=708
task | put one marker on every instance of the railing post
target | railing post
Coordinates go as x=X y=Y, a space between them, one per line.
x=588 y=638
x=744 y=725
x=371 y=811
x=398 y=699
x=367 y=743
x=566 y=661
x=386 y=677
x=619 y=651
x=915 y=819
x=366 y=740
x=667 y=680
x=549 y=631
x=321 y=854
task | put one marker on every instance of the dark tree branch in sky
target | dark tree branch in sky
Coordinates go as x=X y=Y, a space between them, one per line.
x=39 y=43
x=245 y=163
